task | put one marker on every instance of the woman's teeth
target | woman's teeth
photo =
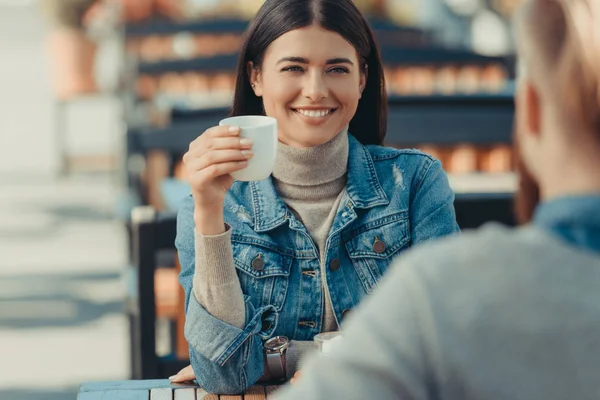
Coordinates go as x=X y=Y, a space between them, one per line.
x=314 y=113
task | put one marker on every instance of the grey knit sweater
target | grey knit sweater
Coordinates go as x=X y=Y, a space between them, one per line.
x=495 y=314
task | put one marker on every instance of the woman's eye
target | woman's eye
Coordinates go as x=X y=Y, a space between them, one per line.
x=339 y=70
x=293 y=68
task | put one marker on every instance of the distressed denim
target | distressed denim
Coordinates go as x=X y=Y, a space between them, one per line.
x=393 y=198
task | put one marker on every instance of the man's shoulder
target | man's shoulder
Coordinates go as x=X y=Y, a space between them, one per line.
x=469 y=250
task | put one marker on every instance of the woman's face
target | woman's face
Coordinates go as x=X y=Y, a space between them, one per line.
x=311 y=81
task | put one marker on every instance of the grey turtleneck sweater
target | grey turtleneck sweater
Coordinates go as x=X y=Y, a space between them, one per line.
x=310 y=181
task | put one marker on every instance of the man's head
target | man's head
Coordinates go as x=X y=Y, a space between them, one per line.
x=558 y=92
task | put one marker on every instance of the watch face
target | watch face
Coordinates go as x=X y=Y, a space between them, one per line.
x=276 y=342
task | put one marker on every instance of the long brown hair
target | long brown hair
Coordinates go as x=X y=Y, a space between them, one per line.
x=277 y=17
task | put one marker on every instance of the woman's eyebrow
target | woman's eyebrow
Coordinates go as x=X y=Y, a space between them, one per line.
x=339 y=61
x=302 y=60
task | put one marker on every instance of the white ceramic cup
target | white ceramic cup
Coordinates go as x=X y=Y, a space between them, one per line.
x=263 y=132
x=327 y=341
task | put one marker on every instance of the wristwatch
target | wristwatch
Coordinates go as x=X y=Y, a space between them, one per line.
x=275 y=352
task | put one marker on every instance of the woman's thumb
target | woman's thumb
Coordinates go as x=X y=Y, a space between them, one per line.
x=186 y=374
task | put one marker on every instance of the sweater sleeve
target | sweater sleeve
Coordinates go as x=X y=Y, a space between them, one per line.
x=216 y=284
x=376 y=359
x=296 y=353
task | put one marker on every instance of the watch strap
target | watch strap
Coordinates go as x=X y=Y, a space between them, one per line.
x=276 y=364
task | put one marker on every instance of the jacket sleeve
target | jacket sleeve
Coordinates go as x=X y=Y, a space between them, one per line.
x=226 y=359
x=432 y=212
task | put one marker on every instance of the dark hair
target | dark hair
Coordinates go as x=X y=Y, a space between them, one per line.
x=277 y=17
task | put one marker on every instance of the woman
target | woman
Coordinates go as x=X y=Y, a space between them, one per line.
x=291 y=255
x=501 y=313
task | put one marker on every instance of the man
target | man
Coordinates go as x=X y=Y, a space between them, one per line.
x=500 y=313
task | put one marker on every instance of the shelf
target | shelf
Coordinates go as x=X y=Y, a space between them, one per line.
x=449 y=120
x=483 y=183
x=168 y=27
x=201 y=64
x=234 y=25
x=396 y=56
x=391 y=55
x=440 y=120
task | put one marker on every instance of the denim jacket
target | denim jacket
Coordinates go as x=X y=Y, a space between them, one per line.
x=574 y=219
x=393 y=200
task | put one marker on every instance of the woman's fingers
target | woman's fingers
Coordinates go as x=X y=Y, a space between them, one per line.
x=221 y=143
x=206 y=175
x=186 y=374
x=216 y=132
x=217 y=157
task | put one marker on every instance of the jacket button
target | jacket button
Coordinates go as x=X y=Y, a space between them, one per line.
x=345 y=313
x=258 y=263
x=378 y=246
x=334 y=265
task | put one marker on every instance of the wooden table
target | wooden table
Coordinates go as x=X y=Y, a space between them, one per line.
x=161 y=389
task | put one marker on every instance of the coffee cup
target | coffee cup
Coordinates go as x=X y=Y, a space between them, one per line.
x=327 y=341
x=263 y=132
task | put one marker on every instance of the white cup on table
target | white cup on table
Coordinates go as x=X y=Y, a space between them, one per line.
x=327 y=341
x=263 y=132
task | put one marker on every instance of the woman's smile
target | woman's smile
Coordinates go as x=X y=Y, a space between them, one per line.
x=314 y=116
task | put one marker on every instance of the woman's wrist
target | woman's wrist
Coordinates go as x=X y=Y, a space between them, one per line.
x=209 y=222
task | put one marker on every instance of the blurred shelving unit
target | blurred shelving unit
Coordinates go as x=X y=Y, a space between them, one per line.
x=452 y=103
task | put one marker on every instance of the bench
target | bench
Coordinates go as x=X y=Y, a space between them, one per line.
x=162 y=389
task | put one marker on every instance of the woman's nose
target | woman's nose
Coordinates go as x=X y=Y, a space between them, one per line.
x=315 y=87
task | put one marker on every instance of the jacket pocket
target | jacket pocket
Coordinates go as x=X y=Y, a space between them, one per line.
x=372 y=246
x=263 y=274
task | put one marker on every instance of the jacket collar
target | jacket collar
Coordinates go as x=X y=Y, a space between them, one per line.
x=581 y=211
x=363 y=189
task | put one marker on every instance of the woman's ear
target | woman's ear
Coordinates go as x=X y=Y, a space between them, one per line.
x=363 y=80
x=255 y=77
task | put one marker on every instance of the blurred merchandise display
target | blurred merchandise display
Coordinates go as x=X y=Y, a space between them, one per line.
x=468 y=158
x=452 y=103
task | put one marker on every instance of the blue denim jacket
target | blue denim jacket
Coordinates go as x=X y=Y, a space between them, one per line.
x=393 y=198
x=574 y=219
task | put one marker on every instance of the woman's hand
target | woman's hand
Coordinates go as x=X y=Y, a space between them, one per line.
x=210 y=159
x=185 y=375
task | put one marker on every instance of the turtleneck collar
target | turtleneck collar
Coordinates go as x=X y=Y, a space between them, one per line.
x=314 y=165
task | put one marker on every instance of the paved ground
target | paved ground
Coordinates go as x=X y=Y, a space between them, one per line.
x=61 y=250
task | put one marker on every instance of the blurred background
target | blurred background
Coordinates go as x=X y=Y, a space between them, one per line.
x=99 y=100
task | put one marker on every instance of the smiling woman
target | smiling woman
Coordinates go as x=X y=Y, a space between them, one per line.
x=268 y=265
x=312 y=94
x=316 y=55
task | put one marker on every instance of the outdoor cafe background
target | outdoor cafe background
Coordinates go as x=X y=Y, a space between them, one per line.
x=101 y=98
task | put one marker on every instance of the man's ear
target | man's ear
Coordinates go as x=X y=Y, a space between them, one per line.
x=255 y=76
x=532 y=109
